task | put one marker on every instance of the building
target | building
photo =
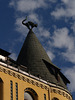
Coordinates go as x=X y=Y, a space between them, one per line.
x=33 y=76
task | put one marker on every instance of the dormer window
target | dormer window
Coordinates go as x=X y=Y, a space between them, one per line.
x=57 y=75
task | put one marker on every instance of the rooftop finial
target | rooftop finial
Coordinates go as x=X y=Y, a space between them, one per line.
x=29 y=24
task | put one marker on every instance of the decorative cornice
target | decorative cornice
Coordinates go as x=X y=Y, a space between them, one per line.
x=24 y=78
x=60 y=92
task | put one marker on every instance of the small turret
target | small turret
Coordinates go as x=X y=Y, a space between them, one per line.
x=35 y=58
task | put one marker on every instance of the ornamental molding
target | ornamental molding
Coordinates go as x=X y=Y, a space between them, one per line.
x=24 y=78
x=60 y=92
x=34 y=82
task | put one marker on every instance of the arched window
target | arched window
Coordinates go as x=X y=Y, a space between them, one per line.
x=30 y=94
x=55 y=98
x=1 y=89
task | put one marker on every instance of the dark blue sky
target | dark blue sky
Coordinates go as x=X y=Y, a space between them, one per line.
x=56 y=30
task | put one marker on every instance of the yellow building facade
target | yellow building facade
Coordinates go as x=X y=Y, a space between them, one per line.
x=38 y=88
x=32 y=76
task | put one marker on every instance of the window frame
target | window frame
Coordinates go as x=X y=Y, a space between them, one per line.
x=11 y=90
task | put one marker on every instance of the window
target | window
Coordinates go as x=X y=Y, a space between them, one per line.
x=11 y=90
x=1 y=89
x=16 y=84
x=55 y=98
x=30 y=94
x=44 y=96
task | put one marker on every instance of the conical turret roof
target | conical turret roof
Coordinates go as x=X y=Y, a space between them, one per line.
x=33 y=56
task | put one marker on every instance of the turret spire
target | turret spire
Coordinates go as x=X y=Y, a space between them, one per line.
x=35 y=58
